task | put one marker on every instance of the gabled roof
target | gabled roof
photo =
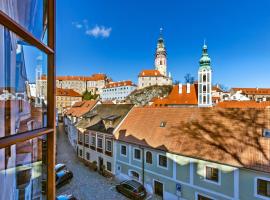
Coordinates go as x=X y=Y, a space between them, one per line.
x=94 y=120
x=93 y=77
x=253 y=91
x=67 y=92
x=227 y=136
x=81 y=108
x=150 y=72
x=176 y=98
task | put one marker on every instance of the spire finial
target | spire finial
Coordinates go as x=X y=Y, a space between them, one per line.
x=204 y=42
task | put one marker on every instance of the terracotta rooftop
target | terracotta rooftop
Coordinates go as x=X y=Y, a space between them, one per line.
x=253 y=91
x=227 y=136
x=217 y=88
x=243 y=104
x=80 y=108
x=119 y=84
x=150 y=72
x=176 y=98
x=67 y=92
x=94 y=77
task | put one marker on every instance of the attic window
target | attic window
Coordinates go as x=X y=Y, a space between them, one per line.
x=163 y=124
x=266 y=133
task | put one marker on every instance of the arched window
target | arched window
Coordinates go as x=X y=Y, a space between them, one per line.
x=204 y=88
x=204 y=78
x=161 y=62
x=204 y=99
x=135 y=175
x=148 y=157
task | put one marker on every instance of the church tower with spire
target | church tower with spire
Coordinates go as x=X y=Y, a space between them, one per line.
x=205 y=79
x=161 y=56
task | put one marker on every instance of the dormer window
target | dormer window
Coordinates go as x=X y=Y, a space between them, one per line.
x=266 y=133
x=163 y=124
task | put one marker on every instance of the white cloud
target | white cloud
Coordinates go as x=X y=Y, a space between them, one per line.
x=77 y=25
x=99 y=31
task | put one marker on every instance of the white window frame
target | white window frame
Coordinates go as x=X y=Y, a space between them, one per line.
x=108 y=140
x=210 y=181
x=198 y=193
x=91 y=144
x=100 y=138
x=161 y=154
x=255 y=187
x=125 y=155
x=140 y=160
x=107 y=166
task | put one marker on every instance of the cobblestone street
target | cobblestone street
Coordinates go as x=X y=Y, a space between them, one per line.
x=86 y=184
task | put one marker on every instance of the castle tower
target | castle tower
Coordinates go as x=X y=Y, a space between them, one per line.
x=161 y=56
x=205 y=80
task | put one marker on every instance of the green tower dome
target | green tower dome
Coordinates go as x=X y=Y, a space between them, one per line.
x=205 y=61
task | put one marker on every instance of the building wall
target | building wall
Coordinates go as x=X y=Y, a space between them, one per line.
x=65 y=101
x=152 y=80
x=233 y=183
x=116 y=93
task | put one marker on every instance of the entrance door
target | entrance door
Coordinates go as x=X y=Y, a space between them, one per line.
x=100 y=162
x=158 y=188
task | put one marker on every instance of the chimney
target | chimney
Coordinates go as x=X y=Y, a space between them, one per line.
x=180 y=88
x=188 y=88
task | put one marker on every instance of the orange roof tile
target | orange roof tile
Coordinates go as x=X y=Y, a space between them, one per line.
x=253 y=91
x=94 y=77
x=119 y=84
x=243 y=104
x=227 y=136
x=81 y=108
x=176 y=98
x=67 y=92
x=150 y=72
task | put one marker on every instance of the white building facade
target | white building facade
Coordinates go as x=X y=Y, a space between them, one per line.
x=117 y=90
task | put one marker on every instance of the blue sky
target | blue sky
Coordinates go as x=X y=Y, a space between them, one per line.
x=119 y=38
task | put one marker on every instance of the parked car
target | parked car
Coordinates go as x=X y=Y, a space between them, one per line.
x=63 y=177
x=59 y=167
x=132 y=189
x=66 y=197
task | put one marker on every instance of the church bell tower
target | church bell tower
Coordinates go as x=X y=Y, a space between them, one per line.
x=205 y=79
x=161 y=56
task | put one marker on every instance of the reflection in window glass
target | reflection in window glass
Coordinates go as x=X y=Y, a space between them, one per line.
x=23 y=85
x=31 y=14
x=23 y=170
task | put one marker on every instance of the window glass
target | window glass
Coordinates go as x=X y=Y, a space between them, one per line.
x=148 y=157
x=263 y=187
x=211 y=174
x=137 y=154
x=23 y=90
x=162 y=161
x=93 y=141
x=29 y=14
x=109 y=166
x=99 y=143
x=109 y=145
x=23 y=170
x=123 y=150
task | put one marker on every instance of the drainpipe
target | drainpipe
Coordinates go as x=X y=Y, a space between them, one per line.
x=142 y=166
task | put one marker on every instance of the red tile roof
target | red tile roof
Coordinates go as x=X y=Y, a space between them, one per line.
x=243 y=104
x=81 y=108
x=227 y=136
x=94 y=77
x=119 y=84
x=176 y=98
x=67 y=92
x=253 y=91
x=150 y=72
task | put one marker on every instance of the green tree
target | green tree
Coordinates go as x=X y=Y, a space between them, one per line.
x=87 y=95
